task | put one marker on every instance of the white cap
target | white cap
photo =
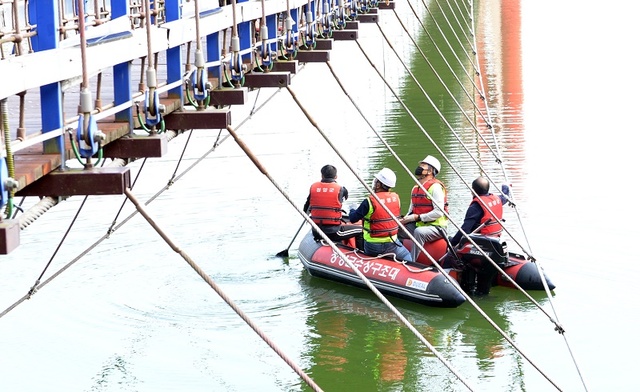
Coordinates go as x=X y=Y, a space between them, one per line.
x=433 y=162
x=387 y=177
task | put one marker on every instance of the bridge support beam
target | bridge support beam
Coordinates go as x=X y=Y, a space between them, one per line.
x=74 y=182
x=137 y=147
x=368 y=18
x=267 y=79
x=9 y=235
x=344 y=35
x=201 y=119
x=225 y=96
x=313 y=56
x=324 y=44
x=290 y=66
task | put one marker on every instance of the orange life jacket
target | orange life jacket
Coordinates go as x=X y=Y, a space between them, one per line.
x=421 y=202
x=493 y=228
x=378 y=223
x=324 y=203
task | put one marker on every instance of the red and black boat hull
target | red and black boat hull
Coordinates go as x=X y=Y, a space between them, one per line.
x=411 y=281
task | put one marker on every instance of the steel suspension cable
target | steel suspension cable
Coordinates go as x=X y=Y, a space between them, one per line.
x=220 y=292
x=444 y=58
x=443 y=118
x=411 y=237
x=455 y=16
x=86 y=104
x=500 y=160
x=466 y=11
x=435 y=21
x=435 y=72
x=337 y=251
x=538 y=266
x=557 y=326
x=55 y=252
x=48 y=202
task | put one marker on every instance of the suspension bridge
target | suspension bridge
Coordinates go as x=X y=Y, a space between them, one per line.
x=87 y=81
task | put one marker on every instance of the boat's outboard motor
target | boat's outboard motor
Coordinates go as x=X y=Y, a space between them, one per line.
x=478 y=274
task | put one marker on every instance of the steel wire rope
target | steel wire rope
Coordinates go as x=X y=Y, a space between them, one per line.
x=335 y=249
x=538 y=266
x=505 y=174
x=437 y=110
x=83 y=58
x=445 y=36
x=55 y=252
x=220 y=292
x=199 y=62
x=498 y=157
x=151 y=106
x=444 y=156
x=453 y=73
x=442 y=117
x=436 y=264
x=424 y=56
x=455 y=16
x=551 y=319
x=410 y=236
x=437 y=47
x=466 y=22
x=89 y=133
x=511 y=198
x=11 y=171
x=48 y=202
x=501 y=164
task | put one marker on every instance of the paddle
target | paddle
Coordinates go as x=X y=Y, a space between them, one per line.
x=285 y=253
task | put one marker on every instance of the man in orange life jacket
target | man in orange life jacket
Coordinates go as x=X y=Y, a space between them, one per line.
x=478 y=215
x=380 y=230
x=425 y=219
x=324 y=204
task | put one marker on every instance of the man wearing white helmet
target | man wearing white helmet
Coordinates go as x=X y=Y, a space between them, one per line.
x=425 y=218
x=380 y=229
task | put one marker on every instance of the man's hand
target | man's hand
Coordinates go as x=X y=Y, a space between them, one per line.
x=409 y=218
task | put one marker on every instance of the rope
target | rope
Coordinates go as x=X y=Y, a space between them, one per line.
x=221 y=293
x=337 y=251
x=48 y=202
x=445 y=37
x=451 y=27
x=538 y=266
x=424 y=56
x=435 y=45
x=410 y=236
x=556 y=325
x=466 y=11
x=55 y=252
x=434 y=143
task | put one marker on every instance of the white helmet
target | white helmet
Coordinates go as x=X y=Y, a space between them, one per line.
x=387 y=177
x=433 y=162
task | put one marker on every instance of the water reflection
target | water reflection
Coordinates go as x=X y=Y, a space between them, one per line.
x=358 y=337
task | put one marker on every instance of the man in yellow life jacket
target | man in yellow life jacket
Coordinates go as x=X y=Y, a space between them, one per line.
x=425 y=218
x=380 y=229
x=324 y=205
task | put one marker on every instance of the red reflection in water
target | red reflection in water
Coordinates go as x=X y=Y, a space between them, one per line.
x=500 y=62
